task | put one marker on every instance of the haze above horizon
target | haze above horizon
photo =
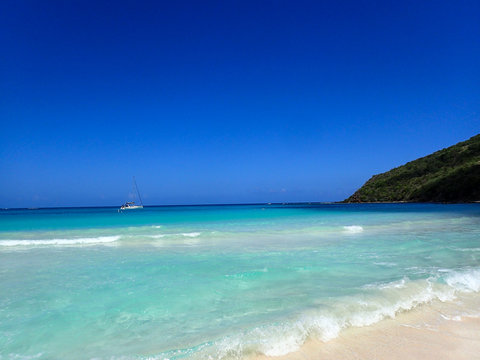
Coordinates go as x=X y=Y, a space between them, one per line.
x=227 y=102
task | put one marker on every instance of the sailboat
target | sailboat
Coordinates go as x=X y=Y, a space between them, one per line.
x=130 y=205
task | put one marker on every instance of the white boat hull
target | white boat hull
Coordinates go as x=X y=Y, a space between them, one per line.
x=131 y=207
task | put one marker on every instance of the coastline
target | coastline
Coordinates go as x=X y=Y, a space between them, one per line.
x=439 y=330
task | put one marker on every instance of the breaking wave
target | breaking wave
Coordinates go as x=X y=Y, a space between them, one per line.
x=192 y=234
x=78 y=241
x=468 y=281
x=384 y=301
x=353 y=229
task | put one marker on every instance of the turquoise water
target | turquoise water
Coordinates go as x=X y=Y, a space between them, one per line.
x=222 y=282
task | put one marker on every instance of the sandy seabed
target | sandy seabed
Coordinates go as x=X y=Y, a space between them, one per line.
x=435 y=331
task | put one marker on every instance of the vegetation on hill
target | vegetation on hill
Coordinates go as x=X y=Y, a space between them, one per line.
x=448 y=175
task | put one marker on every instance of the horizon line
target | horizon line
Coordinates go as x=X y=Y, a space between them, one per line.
x=176 y=205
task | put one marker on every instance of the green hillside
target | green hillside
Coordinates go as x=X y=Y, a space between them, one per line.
x=448 y=175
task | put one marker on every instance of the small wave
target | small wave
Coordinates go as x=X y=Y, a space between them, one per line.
x=24 y=357
x=451 y=318
x=385 y=263
x=247 y=274
x=466 y=249
x=78 y=241
x=460 y=315
x=192 y=234
x=158 y=236
x=400 y=284
x=468 y=281
x=353 y=229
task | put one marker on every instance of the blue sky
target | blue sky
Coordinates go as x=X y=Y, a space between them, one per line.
x=228 y=101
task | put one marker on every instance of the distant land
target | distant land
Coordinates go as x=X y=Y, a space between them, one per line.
x=449 y=175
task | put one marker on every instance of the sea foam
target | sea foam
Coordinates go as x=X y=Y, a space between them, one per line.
x=468 y=281
x=353 y=229
x=157 y=236
x=192 y=234
x=176 y=235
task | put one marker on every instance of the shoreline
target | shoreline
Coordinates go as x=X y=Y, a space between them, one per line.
x=449 y=330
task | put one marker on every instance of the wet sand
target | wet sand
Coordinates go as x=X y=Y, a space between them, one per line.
x=436 y=331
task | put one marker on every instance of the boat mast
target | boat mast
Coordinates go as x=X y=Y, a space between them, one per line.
x=138 y=192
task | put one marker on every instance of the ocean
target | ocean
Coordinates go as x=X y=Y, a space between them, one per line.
x=224 y=282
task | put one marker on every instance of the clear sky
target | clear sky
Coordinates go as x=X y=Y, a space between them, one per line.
x=227 y=101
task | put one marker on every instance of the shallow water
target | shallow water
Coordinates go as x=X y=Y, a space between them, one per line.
x=222 y=281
